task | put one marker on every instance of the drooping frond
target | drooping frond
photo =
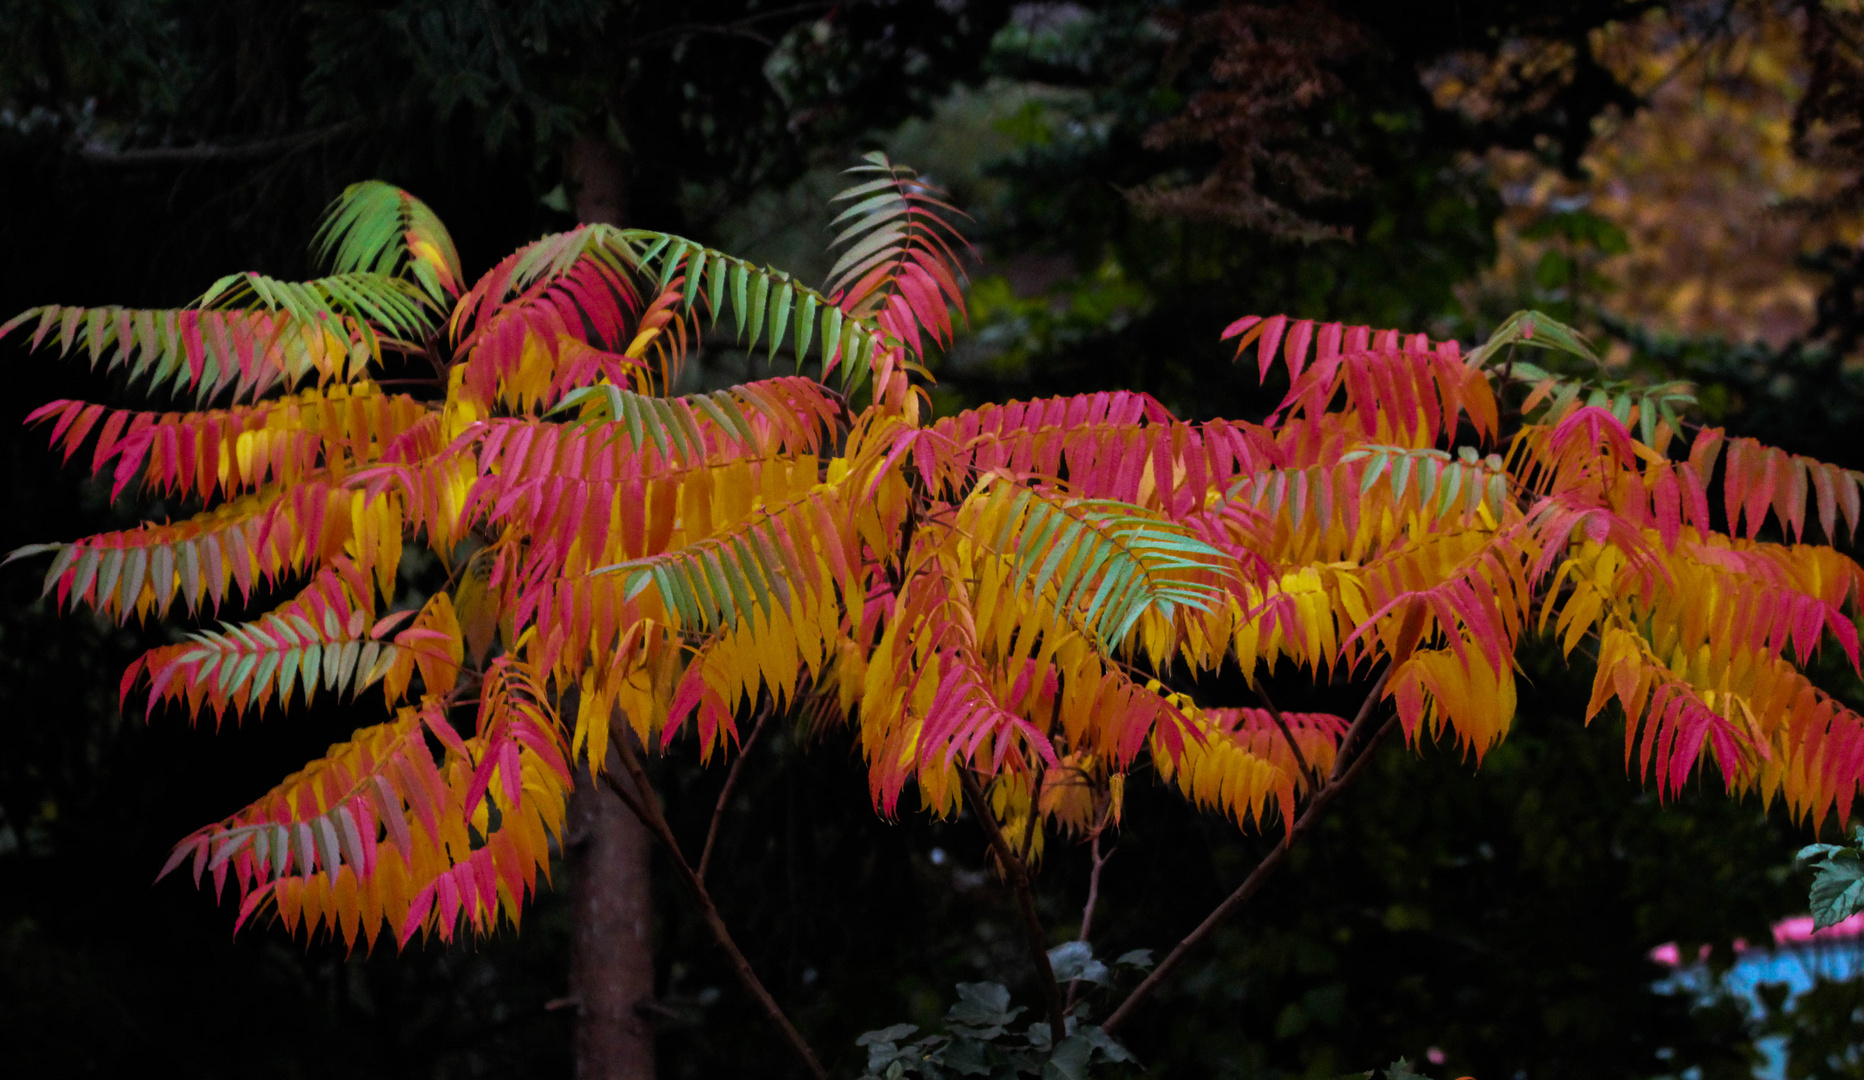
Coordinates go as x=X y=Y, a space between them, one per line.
x=1655 y=408
x=766 y=305
x=787 y=557
x=584 y=270
x=932 y=701
x=378 y=228
x=256 y=537
x=1533 y=329
x=1237 y=761
x=375 y=806
x=1405 y=390
x=376 y=833
x=785 y=414
x=587 y=498
x=1121 y=445
x=901 y=263
x=1759 y=479
x=326 y=637
x=1677 y=720
x=1094 y=564
x=1357 y=504
x=234 y=451
x=204 y=352
x=568 y=287
x=374 y=303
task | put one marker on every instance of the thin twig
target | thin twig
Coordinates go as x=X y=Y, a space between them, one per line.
x=1346 y=768
x=1343 y=759
x=1093 y=888
x=1300 y=759
x=646 y=806
x=97 y=153
x=1018 y=873
x=724 y=794
x=737 y=28
x=1087 y=912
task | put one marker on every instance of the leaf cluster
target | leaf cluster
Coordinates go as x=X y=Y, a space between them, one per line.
x=980 y=1036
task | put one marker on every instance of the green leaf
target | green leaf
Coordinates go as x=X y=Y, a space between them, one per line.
x=966 y=1056
x=983 y=1005
x=754 y=318
x=1108 y=1046
x=1837 y=887
x=1069 y=1059
x=1534 y=329
x=1075 y=960
x=886 y=1035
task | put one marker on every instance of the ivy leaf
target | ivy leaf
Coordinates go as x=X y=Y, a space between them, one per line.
x=1075 y=960
x=984 y=1005
x=886 y=1035
x=1837 y=883
x=1139 y=958
x=1111 y=1048
x=1069 y=1061
x=967 y=1057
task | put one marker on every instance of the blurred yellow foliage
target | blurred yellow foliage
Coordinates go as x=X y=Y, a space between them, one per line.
x=1702 y=183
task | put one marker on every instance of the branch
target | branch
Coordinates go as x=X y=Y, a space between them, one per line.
x=1346 y=769
x=646 y=806
x=211 y=153
x=724 y=794
x=1344 y=758
x=743 y=28
x=1093 y=887
x=1087 y=913
x=1018 y=873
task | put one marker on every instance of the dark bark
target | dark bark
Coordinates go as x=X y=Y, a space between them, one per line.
x=612 y=948
x=640 y=799
x=612 y=934
x=598 y=180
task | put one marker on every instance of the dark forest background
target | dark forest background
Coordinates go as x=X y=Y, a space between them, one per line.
x=1140 y=174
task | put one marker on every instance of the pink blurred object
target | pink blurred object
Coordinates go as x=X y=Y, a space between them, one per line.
x=1797 y=931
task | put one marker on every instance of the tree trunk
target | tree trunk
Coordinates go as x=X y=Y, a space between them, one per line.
x=612 y=934
x=597 y=181
x=612 y=921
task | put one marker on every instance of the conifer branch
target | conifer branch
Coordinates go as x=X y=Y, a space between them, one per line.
x=1017 y=871
x=647 y=807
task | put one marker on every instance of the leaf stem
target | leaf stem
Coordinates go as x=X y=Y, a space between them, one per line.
x=1018 y=872
x=724 y=794
x=1087 y=912
x=1346 y=769
x=646 y=806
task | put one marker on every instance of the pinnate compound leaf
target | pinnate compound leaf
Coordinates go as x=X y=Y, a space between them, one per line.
x=378 y=228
